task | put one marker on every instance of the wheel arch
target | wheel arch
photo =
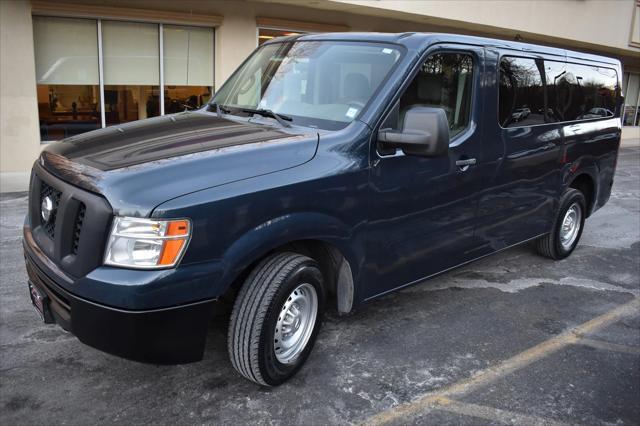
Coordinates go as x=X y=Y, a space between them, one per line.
x=585 y=183
x=324 y=238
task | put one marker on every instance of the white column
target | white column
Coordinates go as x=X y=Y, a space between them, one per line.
x=161 y=31
x=101 y=75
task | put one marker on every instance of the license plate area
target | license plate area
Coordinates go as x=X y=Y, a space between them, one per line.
x=40 y=302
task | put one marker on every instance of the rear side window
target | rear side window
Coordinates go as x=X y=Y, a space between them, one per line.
x=533 y=91
x=580 y=92
x=522 y=92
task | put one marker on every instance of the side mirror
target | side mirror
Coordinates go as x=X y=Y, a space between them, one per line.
x=425 y=132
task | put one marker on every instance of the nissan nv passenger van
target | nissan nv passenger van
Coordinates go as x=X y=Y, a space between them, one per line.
x=327 y=171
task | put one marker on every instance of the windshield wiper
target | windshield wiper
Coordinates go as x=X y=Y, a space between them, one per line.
x=220 y=109
x=280 y=118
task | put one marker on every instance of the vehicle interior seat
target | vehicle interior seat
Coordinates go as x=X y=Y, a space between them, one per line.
x=426 y=90
x=356 y=88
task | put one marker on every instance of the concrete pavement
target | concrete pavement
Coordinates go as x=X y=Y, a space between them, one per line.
x=511 y=339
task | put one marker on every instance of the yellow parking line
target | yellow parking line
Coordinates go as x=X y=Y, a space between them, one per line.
x=506 y=367
x=599 y=344
x=494 y=415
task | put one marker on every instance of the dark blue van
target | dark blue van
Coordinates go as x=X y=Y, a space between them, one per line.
x=327 y=171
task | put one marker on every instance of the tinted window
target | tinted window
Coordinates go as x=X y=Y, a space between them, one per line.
x=580 y=92
x=522 y=92
x=443 y=81
x=568 y=92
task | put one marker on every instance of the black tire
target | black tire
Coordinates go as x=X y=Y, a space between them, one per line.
x=255 y=314
x=550 y=245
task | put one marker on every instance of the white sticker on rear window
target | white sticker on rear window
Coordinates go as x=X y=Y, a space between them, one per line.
x=351 y=112
x=387 y=50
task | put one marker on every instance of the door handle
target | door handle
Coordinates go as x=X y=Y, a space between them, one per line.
x=463 y=165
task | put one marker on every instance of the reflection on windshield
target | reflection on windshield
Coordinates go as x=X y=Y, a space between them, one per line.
x=324 y=84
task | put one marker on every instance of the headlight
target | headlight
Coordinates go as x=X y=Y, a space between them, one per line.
x=147 y=243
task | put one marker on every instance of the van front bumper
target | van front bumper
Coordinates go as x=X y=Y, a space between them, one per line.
x=171 y=335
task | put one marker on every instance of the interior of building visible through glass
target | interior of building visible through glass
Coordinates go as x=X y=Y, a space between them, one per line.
x=188 y=67
x=68 y=91
x=124 y=103
x=631 y=87
x=67 y=110
x=131 y=59
x=185 y=98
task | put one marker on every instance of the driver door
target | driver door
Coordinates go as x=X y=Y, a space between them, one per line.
x=423 y=210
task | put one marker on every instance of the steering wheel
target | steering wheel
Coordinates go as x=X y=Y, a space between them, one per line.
x=248 y=85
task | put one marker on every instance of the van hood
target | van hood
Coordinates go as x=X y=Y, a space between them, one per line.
x=139 y=165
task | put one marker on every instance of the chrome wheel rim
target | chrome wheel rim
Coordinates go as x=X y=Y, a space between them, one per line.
x=570 y=226
x=295 y=324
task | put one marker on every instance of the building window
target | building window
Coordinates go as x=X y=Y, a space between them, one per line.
x=68 y=86
x=188 y=67
x=266 y=34
x=132 y=59
x=631 y=115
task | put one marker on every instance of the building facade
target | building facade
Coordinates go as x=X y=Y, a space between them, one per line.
x=69 y=67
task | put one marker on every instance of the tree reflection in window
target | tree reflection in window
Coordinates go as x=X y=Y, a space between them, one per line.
x=522 y=93
x=568 y=92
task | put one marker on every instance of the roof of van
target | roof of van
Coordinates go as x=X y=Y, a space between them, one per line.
x=414 y=40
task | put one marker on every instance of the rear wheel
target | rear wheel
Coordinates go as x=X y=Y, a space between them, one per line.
x=567 y=227
x=276 y=318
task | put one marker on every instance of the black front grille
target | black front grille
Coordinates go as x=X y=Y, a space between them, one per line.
x=75 y=234
x=48 y=191
x=77 y=228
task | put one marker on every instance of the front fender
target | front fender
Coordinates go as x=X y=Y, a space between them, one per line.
x=274 y=233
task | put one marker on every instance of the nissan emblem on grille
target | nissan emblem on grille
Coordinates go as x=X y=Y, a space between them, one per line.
x=46 y=208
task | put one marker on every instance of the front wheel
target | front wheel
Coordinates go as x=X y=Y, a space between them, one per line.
x=276 y=318
x=567 y=227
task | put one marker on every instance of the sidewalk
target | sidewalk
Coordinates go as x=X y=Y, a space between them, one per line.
x=630 y=142
x=14 y=182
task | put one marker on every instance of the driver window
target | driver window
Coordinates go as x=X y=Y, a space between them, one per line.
x=443 y=81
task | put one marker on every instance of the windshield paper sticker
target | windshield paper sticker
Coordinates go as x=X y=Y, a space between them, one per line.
x=351 y=112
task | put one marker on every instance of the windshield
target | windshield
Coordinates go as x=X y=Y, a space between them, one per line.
x=322 y=84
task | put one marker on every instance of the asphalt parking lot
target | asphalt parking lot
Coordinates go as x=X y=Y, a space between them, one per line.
x=512 y=339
